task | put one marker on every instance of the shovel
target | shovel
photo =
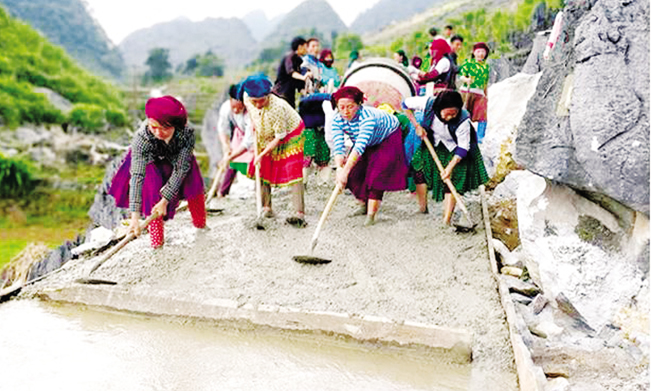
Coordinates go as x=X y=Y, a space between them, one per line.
x=113 y=251
x=309 y=258
x=453 y=190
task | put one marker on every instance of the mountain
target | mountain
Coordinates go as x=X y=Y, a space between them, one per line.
x=229 y=39
x=309 y=17
x=259 y=25
x=67 y=23
x=386 y=12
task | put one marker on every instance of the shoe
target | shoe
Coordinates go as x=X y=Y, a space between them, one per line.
x=426 y=211
x=370 y=220
x=296 y=221
x=267 y=214
x=361 y=211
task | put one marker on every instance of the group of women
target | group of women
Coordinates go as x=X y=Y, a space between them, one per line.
x=160 y=169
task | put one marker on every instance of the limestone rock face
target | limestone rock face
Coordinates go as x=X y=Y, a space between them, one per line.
x=587 y=124
x=590 y=257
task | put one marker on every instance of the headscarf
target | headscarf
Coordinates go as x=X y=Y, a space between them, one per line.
x=324 y=54
x=447 y=100
x=416 y=61
x=481 y=45
x=257 y=86
x=403 y=56
x=167 y=111
x=438 y=49
x=349 y=92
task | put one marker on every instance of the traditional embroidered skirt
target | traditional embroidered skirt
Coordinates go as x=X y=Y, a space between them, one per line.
x=157 y=174
x=467 y=175
x=477 y=106
x=381 y=167
x=283 y=166
x=241 y=163
x=316 y=147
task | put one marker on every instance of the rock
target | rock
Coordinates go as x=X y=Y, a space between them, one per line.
x=209 y=135
x=44 y=156
x=601 y=64
x=508 y=188
x=565 y=305
x=512 y=271
x=519 y=286
x=500 y=69
x=97 y=238
x=535 y=60
x=58 y=101
x=545 y=329
x=103 y=212
x=599 y=276
x=507 y=104
x=522 y=299
x=538 y=304
x=32 y=136
x=558 y=384
x=506 y=257
x=54 y=260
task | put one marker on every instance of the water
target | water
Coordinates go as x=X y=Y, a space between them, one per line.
x=64 y=347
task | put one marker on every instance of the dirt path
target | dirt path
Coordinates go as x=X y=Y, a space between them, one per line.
x=406 y=267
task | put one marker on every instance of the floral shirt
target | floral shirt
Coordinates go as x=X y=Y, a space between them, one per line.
x=276 y=120
x=477 y=70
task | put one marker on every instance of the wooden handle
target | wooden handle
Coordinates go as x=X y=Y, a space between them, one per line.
x=325 y=213
x=215 y=183
x=448 y=182
x=122 y=243
x=258 y=189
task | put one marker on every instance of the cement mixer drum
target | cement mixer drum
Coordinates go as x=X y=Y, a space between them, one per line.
x=382 y=80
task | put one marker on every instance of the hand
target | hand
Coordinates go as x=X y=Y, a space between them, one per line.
x=308 y=74
x=134 y=224
x=342 y=177
x=224 y=162
x=420 y=132
x=445 y=175
x=160 y=207
x=465 y=79
x=257 y=160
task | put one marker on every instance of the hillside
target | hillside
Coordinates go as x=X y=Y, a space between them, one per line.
x=259 y=24
x=386 y=12
x=308 y=18
x=229 y=39
x=67 y=23
x=28 y=61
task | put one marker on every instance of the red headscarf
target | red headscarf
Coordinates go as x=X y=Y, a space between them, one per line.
x=438 y=49
x=349 y=92
x=167 y=111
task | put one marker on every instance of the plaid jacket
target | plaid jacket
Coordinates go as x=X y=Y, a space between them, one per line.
x=146 y=148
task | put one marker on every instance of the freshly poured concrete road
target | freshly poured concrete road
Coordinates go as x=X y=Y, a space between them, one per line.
x=406 y=280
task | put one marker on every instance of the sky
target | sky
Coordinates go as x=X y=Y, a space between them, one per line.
x=119 y=18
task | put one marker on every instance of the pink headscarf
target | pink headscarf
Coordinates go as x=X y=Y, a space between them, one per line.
x=438 y=49
x=167 y=110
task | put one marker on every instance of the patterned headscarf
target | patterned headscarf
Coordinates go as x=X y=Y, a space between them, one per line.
x=447 y=100
x=167 y=111
x=324 y=54
x=257 y=86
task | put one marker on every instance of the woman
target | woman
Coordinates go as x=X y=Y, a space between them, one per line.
x=376 y=162
x=474 y=73
x=447 y=125
x=401 y=58
x=315 y=149
x=278 y=134
x=233 y=125
x=440 y=73
x=160 y=169
x=329 y=75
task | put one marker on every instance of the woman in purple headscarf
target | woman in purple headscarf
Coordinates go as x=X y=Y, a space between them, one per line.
x=160 y=169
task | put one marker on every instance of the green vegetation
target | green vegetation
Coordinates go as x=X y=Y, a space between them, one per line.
x=207 y=65
x=15 y=178
x=159 y=66
x=27 y=60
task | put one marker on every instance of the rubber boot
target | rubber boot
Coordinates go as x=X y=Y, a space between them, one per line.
x=157 y=232
x=197 y=206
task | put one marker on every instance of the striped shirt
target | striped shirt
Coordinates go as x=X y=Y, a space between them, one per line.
x=146 y=148
x=369 y=127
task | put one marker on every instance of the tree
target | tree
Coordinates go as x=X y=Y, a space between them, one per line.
x=210 y=65
x=159 y=65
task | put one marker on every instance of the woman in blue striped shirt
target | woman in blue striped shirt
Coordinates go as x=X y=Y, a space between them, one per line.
x=377 y=161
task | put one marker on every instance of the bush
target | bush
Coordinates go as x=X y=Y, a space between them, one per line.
x=116 y=117
x=87 y=117
x=15 y=178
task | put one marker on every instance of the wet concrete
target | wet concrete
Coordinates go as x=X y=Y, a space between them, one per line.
x=407 y=270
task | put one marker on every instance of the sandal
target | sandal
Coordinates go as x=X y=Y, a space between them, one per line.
x=298 y=222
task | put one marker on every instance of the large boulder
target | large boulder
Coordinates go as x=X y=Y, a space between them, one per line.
x=587 y=124
x=209 y=136
x=585 y=255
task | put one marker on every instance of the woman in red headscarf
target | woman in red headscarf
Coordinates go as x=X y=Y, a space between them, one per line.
x=160 y=169
x=441 y=73
x=377 y=161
